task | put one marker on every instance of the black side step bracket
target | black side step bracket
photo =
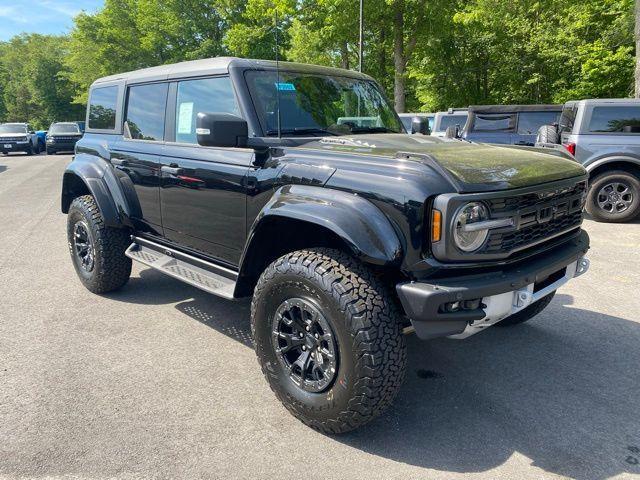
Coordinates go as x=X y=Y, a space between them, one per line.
x=201 y=274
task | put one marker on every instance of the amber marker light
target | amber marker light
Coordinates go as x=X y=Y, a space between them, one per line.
x=436 y=225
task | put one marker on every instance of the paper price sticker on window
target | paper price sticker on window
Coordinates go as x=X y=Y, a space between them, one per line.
x=185 y=116
x=285 y=87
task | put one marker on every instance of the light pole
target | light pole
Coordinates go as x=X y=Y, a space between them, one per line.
x=360 y=43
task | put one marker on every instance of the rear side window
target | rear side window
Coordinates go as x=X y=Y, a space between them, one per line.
x=213 y=95
x=145 y=111
x=567 y=119
x=494 y=122
x=530 y=122
x=615 y=120
x=102 y=108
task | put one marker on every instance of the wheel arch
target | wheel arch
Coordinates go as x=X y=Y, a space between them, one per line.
x=88 y=176
x=300 y=217
x=629 y=164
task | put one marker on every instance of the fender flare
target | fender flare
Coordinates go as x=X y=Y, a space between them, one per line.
x=365 y=229
x=610 y=159
x=101 y=181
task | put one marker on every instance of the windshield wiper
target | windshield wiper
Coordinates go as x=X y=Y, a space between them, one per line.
x=372 y=130
x=301 y=131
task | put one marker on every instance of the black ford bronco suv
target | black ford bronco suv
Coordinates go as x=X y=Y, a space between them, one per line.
x=295 y=184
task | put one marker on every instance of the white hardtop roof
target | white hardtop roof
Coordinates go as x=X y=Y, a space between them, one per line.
x=217 y=66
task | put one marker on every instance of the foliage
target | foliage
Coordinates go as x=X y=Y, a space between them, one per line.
x=428 y=54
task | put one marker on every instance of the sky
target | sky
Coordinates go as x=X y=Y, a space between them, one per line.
x=41 y=16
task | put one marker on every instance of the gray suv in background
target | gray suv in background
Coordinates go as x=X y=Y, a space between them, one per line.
x=604 y=136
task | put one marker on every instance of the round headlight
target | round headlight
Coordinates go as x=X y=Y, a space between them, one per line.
x=465 y=236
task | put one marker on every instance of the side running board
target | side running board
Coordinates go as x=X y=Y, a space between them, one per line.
x=194 y=271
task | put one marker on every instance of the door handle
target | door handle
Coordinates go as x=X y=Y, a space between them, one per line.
x=171 y=170
x=118 y=162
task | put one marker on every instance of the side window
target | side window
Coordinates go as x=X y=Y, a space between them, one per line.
x=495 y=122
x=615 y=120
x=145 y=111
x=202 y=95
x=102 y=108
x=530 y=122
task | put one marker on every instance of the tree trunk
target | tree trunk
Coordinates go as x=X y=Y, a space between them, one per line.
x=344 y=56
x=637 y=38
x=399 y=95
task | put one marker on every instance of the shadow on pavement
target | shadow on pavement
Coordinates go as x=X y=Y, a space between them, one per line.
x=2 y=168
x=562 y=390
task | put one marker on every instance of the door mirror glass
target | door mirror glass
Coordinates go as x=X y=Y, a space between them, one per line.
x=420 y=125
x=221 y=130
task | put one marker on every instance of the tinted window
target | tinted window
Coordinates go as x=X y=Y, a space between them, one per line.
x=567 y=119
x=204 y=95
x=530 y=122
x=615 y=119
x=494 y=122
x=145 y=111
x=102 y=108
x=447 y=121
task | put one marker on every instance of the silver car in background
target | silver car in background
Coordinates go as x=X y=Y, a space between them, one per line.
x=604 y=136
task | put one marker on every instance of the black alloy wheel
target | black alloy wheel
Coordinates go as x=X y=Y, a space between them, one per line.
x=305 y=344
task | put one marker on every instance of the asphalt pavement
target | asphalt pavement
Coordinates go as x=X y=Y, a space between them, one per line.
x=159 y=380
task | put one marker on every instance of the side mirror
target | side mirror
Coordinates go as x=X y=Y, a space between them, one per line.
x=420 y=125
x=221 y=130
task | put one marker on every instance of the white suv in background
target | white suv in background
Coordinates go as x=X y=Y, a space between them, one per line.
x=454 y=117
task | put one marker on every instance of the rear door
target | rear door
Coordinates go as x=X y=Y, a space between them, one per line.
x=203 y=190
x=136 y=155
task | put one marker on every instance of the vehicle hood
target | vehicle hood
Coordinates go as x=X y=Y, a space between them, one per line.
x=470 y=166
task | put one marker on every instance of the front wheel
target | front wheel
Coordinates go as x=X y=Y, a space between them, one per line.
x=328 y=338
x=97 y=251
x=614 y=197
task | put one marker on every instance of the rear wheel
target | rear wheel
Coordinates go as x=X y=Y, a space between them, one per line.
x=97 y=251
x=614 y=197
x=527 y=313
x=327 y=336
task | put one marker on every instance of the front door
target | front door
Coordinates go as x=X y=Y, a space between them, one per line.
x=203 y=190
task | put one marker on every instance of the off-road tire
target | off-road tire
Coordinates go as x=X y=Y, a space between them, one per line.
x=29 y=150
x=364 y=317
x=527 y=313
x=50 y=152
x=111 y=268
x=598 y=182
x=548 y=134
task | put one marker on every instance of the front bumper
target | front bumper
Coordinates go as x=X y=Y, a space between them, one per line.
x=7 y=147
x=501 y=293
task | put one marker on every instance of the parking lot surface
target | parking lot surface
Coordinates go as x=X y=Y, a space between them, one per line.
x=159 y=380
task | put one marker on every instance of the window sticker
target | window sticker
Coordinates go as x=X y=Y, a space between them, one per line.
x=285 y=87
x=185 y=115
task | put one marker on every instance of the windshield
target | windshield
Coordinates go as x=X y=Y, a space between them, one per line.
x=13 y=128
x=447 y=121
x=320 y=104
x=64 y=128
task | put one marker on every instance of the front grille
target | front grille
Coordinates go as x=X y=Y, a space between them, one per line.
x=537 y=216
x=515 y=240
x=65 y=139
x=529 y=200
x=12 y=139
